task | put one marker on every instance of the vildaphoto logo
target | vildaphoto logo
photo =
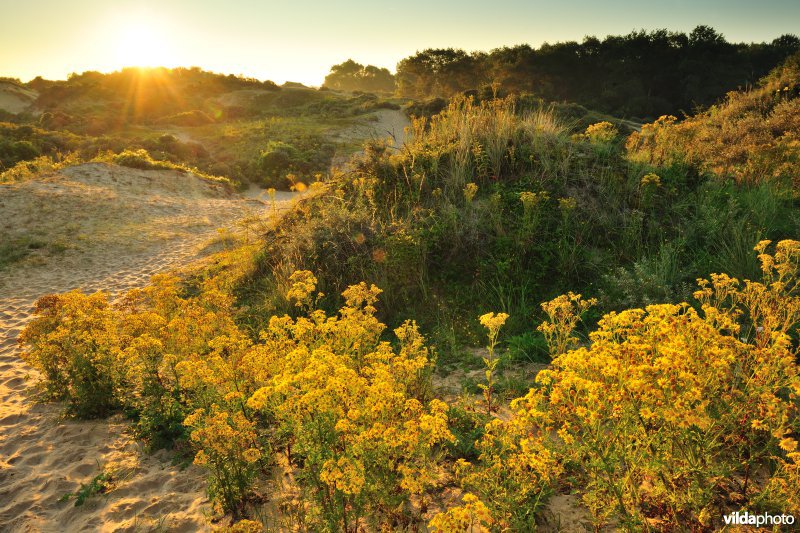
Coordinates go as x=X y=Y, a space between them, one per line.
x=743 y=518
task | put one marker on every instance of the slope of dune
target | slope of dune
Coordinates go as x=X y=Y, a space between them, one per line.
x=15 y=99
x=117 y=227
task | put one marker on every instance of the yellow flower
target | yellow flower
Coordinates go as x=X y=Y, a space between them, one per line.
x=493 y=322
x=567 y=204
x=532 y=199
x=788 y=444
x=251 y=455
x=472 y=516
x=601 y=132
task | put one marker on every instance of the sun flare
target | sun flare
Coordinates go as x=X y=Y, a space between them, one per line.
x=141 y=43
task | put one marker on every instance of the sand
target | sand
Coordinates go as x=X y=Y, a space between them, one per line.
x=382 y=124
x=116 y=227
x=16 y=99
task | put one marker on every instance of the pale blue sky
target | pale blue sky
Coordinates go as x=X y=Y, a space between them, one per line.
x=299 y=40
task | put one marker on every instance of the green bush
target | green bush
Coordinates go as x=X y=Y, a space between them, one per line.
x=188 y=118
x=141 y=159
x=277 y=158
x=73 y=341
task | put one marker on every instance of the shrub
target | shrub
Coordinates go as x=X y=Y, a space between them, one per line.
x=599 y=133
x=228 y=448
x=187 y=118
x=670 y=416
x=277 y=158
x=513 y=473
x=25 y=170
x=141 y=159
x=354 y=410
x=73 y=343
x=351 y=410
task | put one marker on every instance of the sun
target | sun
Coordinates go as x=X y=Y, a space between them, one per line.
x=141 y=43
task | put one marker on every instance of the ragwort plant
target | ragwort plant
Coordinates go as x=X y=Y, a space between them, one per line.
x=674 y=416
x=354 y=411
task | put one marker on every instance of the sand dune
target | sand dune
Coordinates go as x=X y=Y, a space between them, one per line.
x=122 y=226
x=382 y=124
x=15 y=99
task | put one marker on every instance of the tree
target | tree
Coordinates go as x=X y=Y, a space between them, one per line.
x=352 y=76
x=440 y=72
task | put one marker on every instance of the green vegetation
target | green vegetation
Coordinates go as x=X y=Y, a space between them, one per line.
x=352 y=76
x=100 y=484
x=491 y=209
x=13 y=250
x=641 y=324
x=188 y=118
x=751 y=137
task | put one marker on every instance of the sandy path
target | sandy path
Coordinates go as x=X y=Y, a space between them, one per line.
x=381 y=125
x=43 y=456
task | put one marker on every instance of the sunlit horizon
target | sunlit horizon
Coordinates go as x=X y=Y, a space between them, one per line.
x=299 y=42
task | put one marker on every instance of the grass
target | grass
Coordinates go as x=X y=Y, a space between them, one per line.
x=593 y=225
x=220 y=129
x=100 y=484
x=751 y=137
x=15 y=249
x=492 y=206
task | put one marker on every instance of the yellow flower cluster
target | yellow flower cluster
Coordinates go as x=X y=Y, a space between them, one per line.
x=530 y=200
x=662 y=388
x=601 y=132
x=668 y=416
x=344 y=475
x=567 y=204
x=493 y=322
x=470 y=190
x=353 y=408
x=651 y=179
x=304 y=283
x=472 y=517
x=75 y=344
x=660 y=415
x=563 y=314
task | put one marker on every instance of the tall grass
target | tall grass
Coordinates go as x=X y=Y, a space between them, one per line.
x=483 y=142
x=751 y=137
x=489 y=207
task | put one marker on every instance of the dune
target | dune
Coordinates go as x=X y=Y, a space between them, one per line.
x=118 y=227
x=382 y=124
x=241 y=97
x=15 y=99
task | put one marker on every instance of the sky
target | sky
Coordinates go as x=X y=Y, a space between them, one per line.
x=299 y=40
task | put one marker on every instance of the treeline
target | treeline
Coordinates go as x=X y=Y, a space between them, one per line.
x=639 y=75
x=752 y=136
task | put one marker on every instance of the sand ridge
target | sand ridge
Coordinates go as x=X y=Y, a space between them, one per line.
x=128 y=225
x=15 y=99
